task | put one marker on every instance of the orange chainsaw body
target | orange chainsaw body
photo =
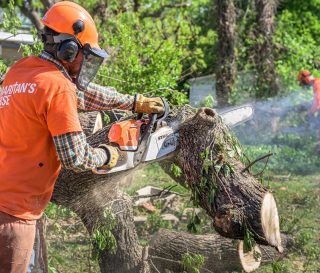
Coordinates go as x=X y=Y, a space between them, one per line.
x=126 y=134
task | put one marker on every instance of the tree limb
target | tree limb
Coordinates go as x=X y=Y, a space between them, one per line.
x=255 y=161
x=32 y=14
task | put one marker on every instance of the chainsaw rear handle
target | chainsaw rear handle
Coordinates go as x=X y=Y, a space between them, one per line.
x=166 y=110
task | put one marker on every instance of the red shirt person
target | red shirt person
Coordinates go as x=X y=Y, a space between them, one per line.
x=307 y=80
x=39 y=126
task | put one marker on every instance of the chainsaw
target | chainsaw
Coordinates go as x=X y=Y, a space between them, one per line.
x=149 y=139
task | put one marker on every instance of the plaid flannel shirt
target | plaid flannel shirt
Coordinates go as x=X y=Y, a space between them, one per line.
x=73 y=150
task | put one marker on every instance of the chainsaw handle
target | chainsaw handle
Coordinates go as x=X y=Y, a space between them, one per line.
x=100 y=171
x=166 y=110
x=156 y=118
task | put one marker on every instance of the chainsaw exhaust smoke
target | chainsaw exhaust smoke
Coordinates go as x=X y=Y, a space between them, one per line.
x=285 y=127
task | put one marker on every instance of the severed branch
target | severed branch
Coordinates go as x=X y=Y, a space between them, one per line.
x=255 y=161
x=162 y=193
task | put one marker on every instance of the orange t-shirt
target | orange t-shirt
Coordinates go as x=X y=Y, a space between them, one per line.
x=316 y=95
x=37 y=102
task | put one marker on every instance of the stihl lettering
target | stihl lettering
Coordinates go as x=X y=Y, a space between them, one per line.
x=169 y=142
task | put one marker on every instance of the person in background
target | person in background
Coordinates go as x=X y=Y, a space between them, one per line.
x=306 y=80
x=40 y=130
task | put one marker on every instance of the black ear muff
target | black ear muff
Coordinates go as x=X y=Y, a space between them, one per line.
x=67 y=50
x=78 y=26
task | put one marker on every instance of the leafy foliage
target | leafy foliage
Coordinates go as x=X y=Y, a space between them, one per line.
x=194 y=222
x=176 y=170
x=193 y=262
x=102 y=237
x=33 y=49
x=150 y=54
x=11 y=22
x=155 y=222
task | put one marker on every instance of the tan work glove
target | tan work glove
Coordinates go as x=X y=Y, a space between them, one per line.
x=113 y=156
x=148 y=105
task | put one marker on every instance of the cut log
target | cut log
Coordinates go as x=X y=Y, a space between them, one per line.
x=210 y=159
x=250 y=260
x=220 y=254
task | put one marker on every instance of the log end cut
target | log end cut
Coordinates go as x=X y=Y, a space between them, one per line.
x=250 y=260
x=270 y=221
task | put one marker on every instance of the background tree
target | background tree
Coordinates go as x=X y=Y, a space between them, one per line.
x=267 y=83
x=226 y=63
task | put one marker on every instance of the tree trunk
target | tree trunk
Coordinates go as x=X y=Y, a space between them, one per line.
x=29 y=11
x=226 y=64
x=210 y=158
x=168 y=247
x=235 y=202
x=127 y=257
x=267 y=82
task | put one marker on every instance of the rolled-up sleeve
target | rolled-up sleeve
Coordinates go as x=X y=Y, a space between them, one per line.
x=98 y=97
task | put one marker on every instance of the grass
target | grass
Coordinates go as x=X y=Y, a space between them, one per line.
x=298 y=199
x=298 y=202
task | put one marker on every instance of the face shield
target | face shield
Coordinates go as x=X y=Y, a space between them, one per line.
x=91 y=62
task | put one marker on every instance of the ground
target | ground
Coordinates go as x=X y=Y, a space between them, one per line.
x=298 y=199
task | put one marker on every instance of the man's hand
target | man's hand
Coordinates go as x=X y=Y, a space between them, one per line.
x=113 y=156
x=112 y=153
x=148 y=105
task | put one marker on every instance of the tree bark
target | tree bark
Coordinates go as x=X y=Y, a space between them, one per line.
x=226 y=64
x=267 y=82
x=235 y=202
x=127 y=257
x=210 y=159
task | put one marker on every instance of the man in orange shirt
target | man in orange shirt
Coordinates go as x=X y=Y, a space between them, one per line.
x=307 y=80
x=40 y=129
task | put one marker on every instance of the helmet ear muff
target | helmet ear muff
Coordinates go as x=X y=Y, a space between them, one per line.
x=78 y=27
x=67 y=50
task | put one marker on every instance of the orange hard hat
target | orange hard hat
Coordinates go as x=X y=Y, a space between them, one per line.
x=71 y=18
x=305 y=77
